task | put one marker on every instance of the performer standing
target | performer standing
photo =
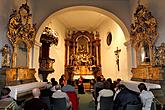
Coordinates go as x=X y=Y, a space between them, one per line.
x=80 y=86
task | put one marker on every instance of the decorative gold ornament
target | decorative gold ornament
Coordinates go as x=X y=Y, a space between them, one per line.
x=159 y=55
x=144 y=26
x=143 y=31
x=49 y=36
x=19 y=27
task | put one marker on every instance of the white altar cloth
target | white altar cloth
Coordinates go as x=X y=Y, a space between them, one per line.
x=84 y=76
x=133 y=85
x=15 y=90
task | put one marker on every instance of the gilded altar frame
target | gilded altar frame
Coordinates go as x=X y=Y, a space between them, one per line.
x=143 y=34
x=82 y=53
x=21 y=29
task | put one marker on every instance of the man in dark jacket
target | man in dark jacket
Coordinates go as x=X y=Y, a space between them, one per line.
x=35 y=103
x=124 y=97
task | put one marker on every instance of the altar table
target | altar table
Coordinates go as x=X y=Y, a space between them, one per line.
x=133 y=85
x=22 y=88
x=88 y=76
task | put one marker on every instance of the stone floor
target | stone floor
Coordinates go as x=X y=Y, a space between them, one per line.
x=86 y=102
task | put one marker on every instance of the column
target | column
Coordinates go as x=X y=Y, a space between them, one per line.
x=90 y=48
x=130 y=56
x=67 y=54
x=97 y=51
x=74 y=48
x=97 y=59
x=0 y=59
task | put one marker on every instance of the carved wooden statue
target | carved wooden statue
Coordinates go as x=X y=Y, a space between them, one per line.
x=6 y=56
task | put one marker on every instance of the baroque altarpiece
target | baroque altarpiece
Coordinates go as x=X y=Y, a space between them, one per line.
x=144 y=33
x=82 y=54
x=21 y=34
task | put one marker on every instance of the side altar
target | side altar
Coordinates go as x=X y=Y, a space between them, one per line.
x=149 y=59
x=16 y=54
x=16 y=71
x=82 y=55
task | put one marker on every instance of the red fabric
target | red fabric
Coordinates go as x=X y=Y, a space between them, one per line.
x=73 y=98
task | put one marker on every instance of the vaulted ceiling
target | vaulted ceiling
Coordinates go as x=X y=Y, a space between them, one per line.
x=81 y=19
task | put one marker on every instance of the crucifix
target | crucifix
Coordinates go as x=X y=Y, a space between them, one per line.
x=117 y=57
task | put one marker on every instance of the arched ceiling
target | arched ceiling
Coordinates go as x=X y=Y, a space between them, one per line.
x=81 y=19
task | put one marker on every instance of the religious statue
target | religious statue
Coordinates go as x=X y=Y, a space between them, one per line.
x=6 y=55
x=117 y=57
x=159 y=55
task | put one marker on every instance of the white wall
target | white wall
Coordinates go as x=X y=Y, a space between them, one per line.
x=108 y=58
x=56 y=52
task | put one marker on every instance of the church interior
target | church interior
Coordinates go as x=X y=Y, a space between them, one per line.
x=117 y=39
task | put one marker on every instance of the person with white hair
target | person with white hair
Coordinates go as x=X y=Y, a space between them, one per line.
x=35 y=103
x=59 y=94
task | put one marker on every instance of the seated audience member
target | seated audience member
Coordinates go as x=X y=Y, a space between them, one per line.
x=115 y=86
x=74 y=99
x=117 y=82
x=49 y=84
x=92 y=82
x=111 y=84
x=102 y=78
x=105 y=92
x=68 y=87
x=59 y=94
x=62 y=80
x=145 y=96
x=35 y=103
x=53 y=87
x=124 y=97
x=97 y=87
x=5 y=97
x=49 y=89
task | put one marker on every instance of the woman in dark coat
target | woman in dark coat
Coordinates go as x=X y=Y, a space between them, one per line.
x=80 y=86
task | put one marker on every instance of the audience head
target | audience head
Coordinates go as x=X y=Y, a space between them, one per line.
x=54 y=83
x=142 y=87
x=102 y=78
x=118 y=80
x=58 y=87
x=53 y=80
x=36 y=92
x=5 y=92
x=106 y=85
x=109 y=80
x=98 y=79
x=63 y=77
x=69 y=82
x=121 y=87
